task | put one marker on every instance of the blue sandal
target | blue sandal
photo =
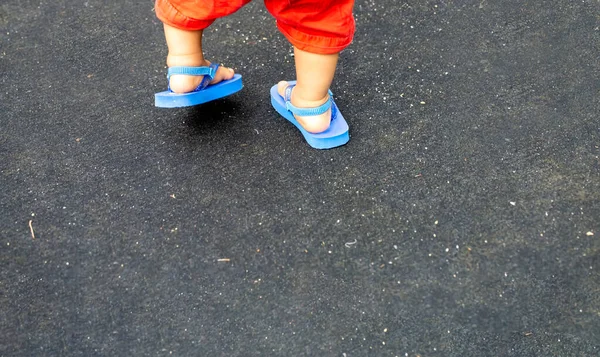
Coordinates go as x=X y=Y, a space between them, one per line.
x=203 y=93
x=335 y=135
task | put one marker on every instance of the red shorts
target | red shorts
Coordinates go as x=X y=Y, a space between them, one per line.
x=318 y=26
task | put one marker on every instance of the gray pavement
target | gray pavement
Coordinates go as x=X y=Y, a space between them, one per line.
x=462 y=218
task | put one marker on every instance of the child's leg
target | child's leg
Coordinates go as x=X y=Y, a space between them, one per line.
x=314 y=74
x=319 y=30
x=185 y=49
x=184 y=22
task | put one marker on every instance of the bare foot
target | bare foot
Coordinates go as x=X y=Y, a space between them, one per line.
x=315 y=123
x=180 y=83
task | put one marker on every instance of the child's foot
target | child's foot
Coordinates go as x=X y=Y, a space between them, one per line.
x=180 y=83
x=313 y=124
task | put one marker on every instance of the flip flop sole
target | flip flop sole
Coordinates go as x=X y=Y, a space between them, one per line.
x=336 y=135
x=168 y=99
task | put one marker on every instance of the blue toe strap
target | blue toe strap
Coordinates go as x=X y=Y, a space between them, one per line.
x=208 y=73
x=305 y=111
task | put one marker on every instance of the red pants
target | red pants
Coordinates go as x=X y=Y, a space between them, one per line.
x=318 y=26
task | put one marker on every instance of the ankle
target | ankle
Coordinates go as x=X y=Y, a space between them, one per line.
x=190 y=59
x=300 y=99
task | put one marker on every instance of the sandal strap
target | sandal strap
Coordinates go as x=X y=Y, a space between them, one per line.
x=194 y=71
x=208 y=72
x=306 y=111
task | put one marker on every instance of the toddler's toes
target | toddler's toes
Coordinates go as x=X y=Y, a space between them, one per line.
x=223 y=74
x=281 y=86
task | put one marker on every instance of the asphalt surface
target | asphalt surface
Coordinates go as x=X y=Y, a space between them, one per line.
x=462 y=218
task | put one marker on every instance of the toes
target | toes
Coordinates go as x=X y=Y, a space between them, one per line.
x=281 y=86
x=223 y=74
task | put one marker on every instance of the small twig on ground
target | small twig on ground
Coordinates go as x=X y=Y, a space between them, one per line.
x=31 y=229
x=348 y=244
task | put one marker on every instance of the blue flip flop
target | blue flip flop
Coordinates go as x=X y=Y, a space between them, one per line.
x=203 y=93
x=337 y=133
